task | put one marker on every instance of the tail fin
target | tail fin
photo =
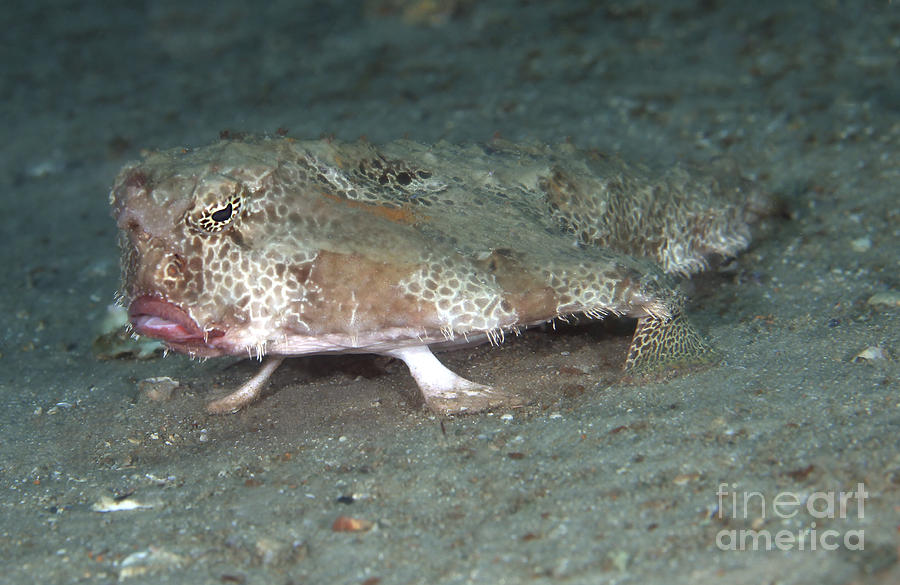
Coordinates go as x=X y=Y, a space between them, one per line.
x=661 y=342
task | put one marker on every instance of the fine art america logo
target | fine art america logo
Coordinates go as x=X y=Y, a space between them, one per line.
x=814 y=511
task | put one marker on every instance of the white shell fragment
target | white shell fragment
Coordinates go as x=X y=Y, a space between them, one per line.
x=151 y=560
x=870 y=354
x=108 y=504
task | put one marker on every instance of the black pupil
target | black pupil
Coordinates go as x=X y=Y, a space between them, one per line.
x=223 y=214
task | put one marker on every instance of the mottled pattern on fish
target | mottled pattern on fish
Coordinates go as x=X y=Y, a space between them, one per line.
x=283 y=247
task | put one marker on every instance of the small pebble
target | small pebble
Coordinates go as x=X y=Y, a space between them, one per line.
x=886 y=299
x=348 y=524
x=157 y=389
x=273 y=551
x=685 y=478
x=861 y=244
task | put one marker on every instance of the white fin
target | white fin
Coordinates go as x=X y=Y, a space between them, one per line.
x=248 y=392
x=445 y=391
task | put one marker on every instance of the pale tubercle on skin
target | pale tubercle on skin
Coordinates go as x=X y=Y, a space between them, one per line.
x=247 y=393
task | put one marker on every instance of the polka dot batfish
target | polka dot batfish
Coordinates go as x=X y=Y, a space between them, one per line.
x=280 y=247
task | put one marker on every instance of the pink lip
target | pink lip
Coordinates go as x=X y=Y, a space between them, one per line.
x=166 y=321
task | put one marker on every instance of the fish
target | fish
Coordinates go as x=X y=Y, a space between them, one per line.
x=272 y=247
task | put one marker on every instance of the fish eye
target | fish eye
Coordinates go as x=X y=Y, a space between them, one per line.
x=222 y=215
x=218 y=215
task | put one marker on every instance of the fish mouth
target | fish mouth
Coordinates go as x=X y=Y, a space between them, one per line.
x=168 y=322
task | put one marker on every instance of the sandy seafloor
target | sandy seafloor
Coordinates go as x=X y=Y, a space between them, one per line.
x=600 y=480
